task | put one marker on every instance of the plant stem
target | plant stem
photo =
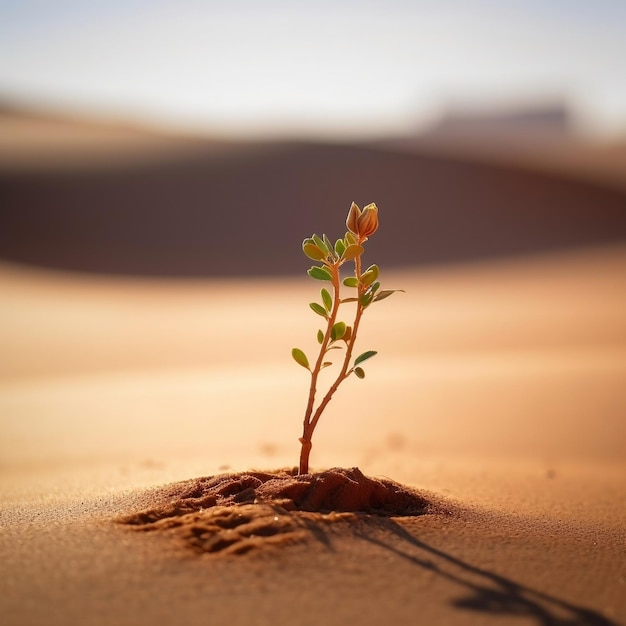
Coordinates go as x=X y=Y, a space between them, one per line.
x=307 y=430
x=311 y=423
x=343 y=374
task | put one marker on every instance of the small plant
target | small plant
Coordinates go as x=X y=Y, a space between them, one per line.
x=338 y=335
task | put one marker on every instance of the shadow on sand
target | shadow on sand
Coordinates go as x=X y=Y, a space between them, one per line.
x=482 y=591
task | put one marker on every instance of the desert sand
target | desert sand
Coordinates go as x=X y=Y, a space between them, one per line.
x=149 y=301
x=499 y=392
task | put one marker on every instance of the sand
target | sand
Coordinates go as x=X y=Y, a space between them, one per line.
x=499 y=392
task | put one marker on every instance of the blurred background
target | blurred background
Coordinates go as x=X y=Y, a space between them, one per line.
x=147 y=137
x=160 y=163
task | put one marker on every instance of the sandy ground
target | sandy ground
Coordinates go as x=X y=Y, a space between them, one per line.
x=499 y=387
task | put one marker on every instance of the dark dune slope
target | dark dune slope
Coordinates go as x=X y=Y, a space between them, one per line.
x=245 y=211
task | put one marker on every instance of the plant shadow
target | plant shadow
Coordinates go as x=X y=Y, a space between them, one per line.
x=483 y=591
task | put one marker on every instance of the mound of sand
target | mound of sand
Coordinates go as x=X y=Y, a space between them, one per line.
x=236 y=513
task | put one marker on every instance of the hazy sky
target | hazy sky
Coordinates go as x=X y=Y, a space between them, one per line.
x=352 y=66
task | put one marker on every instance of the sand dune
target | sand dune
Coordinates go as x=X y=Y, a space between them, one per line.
x=499 y=387
x=193 y=207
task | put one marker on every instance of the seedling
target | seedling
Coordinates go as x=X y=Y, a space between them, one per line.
x=338 y=335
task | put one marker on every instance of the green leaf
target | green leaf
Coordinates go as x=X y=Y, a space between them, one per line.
x=320 y=337
x=319 y=309
x=325 y=364
x=375 y=287
x=338 y=331
x=363 y=357
x=321 y=244
x=385 y=293
x=350 y=239
x=300 y=358
x=365 y=299
x=327 y=300
x=370 y=275
x=328 y=243
x=313 y=252
x=352 y=251
x=340 y=247
x=348 y=300
x=351 y=281
x=359 y=372
x=319 y=273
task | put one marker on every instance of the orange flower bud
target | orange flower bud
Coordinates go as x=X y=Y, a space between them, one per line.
x=367 y=222
x=353 y=215
x=363 y=223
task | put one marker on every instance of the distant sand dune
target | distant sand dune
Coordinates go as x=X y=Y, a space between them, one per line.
x=201 y=208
